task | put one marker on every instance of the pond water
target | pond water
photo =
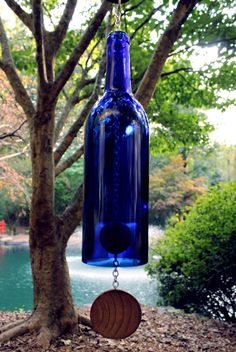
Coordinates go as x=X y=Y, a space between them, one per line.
x=87 y=281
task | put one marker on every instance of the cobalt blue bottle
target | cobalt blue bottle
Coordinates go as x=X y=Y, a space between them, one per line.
x=115 y=215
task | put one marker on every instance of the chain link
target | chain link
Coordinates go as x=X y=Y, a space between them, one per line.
x=118 y=16
x=115 y=274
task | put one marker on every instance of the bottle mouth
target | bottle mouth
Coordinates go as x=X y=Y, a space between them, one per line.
x=118 y=37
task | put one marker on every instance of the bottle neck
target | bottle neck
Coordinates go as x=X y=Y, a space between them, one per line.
x=118 y=63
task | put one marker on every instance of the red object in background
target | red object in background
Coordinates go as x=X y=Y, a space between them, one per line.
x=2 y=226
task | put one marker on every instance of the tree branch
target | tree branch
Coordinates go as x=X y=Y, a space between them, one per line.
x=88 y=35
x=7 y=65
x=185 y=69
x=137 y=79
x=203 y=44
x=92 y=50
x=39 y=37
x=217 y=41
x=72 y=133
x=72 y=215
x=12 y=133
x=147 y=19
x=69 y=161
x=165 y=44
x=61 y=30
x=10 y=156
x=26 y=18
x=49 y=15
x=132 y=8
x=71 y=102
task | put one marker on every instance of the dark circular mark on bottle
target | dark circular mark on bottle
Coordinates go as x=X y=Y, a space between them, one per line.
x=115 y=237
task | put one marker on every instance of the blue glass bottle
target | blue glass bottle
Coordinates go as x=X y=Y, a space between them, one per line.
x=115 y=215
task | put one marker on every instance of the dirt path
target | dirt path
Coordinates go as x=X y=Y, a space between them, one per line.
x=161 y=330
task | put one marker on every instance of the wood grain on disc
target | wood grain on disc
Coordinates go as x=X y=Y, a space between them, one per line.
x=115 y=314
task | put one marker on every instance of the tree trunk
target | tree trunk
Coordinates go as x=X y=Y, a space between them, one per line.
x=53 y=304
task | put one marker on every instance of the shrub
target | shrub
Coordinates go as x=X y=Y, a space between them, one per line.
x=197 y=265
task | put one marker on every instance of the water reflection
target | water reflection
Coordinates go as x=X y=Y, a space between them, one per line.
x=87 y=281
x=15 y=279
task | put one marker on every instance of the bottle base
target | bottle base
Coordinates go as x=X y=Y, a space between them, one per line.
x=109 y=262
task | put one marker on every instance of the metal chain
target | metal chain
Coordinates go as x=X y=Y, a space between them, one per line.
x=118 y=16
x=115 y=274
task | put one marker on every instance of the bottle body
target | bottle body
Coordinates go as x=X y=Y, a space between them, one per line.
x=115 y=215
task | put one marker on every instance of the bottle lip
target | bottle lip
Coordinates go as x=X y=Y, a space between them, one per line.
x=118 y=36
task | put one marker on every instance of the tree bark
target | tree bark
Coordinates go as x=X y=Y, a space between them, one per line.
x=53 y=303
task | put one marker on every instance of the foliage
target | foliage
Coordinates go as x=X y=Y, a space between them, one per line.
x=15 y=171
x=14 y=193
x=11 y=114
x=172 y=189
x=66 y=185
x=179 y=127
x=215 y=162
x=14 y=213
x=23 y=51
x=197 y=258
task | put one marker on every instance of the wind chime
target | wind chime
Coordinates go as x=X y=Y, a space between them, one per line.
x=115 y=216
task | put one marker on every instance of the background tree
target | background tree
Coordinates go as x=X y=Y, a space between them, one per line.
x=215 y=162
x=174 y=186
x=180 y=129
x=14 y=163
x=64 y=65
x=172 y=189
x=14 y=195
x=12 y=119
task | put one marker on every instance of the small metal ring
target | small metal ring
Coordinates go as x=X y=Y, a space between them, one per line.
x=115 y=274
x=115 y=285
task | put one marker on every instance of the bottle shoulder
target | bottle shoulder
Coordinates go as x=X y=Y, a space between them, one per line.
x=119 y=103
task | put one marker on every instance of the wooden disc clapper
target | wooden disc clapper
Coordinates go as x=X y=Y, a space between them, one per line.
x=115 y=314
